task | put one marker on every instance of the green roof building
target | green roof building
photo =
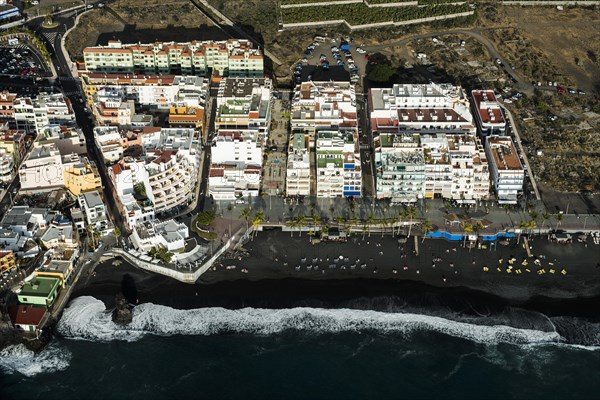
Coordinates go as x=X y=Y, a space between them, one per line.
x=40 y=291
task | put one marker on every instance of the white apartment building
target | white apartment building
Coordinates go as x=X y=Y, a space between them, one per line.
x=399 y=167
x=488 y=114
x=35 y=114
x=323 y=105
x=231 y=180
x=95 y=212
x=42 y=169
x=111 y=108
x=108 y=141
x=242 y=146
x=167 y=234
x=420 y=108
x=234 y=57
x=242 y=121
x=67 y=139
x=165 y=175
x=456 y=168
x=507 y=172
x=338 y=164
x=298 y=173
x=7 y=166
x=158 y=91
x=244 y=103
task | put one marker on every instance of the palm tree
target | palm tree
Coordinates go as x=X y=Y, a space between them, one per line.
x=426 y=226
x=370 y=220
x=94 y=236
x=545 y=217
x=411 y=213
x=467 y=228
x=292 y=224
x=246 y=212
x=316 y=220
x=383 y=223
x=117 y=234
x=559 y=218
x=364 y=230
x=300 y=222
x=259 y=218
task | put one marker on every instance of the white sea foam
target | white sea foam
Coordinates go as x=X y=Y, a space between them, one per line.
x=87 y=318
x=18 y=358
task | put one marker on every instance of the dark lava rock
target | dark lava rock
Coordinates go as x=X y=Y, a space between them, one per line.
x=122 y=313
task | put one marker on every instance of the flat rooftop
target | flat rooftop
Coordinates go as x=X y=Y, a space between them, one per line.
x=39 y=287
x=504 y=153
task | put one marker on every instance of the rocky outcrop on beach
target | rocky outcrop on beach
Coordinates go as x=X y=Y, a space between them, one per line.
x=122 y=313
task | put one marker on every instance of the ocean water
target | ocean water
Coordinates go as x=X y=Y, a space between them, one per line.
x=302 y=353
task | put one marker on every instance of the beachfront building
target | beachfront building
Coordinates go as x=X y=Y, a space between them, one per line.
x=420 y=108
x=233 y=57
x=162 y=175
x=34 y=114
x=488 y=114
x=231 y=180
x=94 y=210
x=39 y=291
x=456 y=168
x=242 y=121
x=506 y=171
x=399 y=167
x=338 y=171
x=321 y=106
x=169 y=235
x=26 y=317
x=298 y=172
x=58 y=263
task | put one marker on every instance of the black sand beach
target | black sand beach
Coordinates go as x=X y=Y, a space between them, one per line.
x=271 y=284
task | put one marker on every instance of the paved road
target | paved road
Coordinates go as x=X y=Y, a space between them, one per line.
x=523 y=153
x=72 y=89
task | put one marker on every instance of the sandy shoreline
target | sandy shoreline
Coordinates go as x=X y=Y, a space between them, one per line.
x=271 y=284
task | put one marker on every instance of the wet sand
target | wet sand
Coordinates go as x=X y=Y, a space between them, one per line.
x=271 y=284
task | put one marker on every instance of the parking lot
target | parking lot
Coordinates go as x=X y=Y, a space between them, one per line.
x=339 y=57
x=18 y=61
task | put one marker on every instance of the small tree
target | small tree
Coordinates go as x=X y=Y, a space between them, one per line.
x=117 y=234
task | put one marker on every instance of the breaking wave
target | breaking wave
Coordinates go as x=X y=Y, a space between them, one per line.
x=18 y=358
x=87 y=318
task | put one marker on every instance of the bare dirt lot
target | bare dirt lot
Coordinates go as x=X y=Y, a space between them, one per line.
x=569 y=38
x=145 y=21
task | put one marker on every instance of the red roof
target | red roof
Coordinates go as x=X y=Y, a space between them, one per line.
x=26 y=315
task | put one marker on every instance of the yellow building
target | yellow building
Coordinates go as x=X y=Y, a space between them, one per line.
x=7 y=261
x=82 y=177
x=187 y=117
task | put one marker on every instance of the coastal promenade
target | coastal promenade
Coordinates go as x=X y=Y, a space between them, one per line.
x=488 y=223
